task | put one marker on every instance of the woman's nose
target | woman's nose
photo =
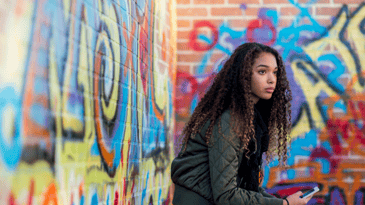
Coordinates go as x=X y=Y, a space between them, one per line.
x=271 y=78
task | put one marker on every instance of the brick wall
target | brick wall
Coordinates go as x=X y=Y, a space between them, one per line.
x=86 y=110
x=322 y=45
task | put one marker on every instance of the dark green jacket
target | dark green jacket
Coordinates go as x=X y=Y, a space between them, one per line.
x=211 y=171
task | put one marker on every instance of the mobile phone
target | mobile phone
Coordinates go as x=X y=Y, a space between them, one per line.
x=310 y=192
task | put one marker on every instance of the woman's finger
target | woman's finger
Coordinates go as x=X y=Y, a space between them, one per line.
x=299 y=193
x=307 y=199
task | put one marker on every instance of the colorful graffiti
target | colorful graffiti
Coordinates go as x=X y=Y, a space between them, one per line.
x=325 y=68
x=86 y=110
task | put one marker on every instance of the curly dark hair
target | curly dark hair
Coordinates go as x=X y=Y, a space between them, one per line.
x=231 y=89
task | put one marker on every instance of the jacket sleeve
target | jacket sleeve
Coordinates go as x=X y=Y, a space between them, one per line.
x=223 y=164
x=265 y=194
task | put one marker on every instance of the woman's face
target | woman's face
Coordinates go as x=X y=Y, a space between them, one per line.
x=263 y=79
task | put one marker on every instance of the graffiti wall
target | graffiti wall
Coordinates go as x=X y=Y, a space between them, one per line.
x=322 y=44
x=86 y=109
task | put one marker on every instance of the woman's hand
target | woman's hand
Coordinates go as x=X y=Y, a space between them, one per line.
x=295 y=199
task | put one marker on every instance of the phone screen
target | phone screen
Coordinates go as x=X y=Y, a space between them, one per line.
x=310 y=192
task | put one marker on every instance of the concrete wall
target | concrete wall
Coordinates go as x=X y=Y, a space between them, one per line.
x=323 y=46
x=86 y=101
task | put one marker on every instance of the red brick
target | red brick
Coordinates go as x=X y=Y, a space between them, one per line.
x=293 y=11
x=289 y=11
x=183 y=46
x=243 y=1
x=183 y=23
x=215 y=22
x=208 y=1
x=352 y=9
x=206 y=67
x=251 y=11
x=305 y=21
x=182 y=40
x=183 y=34
x=192 y=12
x=240 y=23
x=183 y=68
x=284 y=22
x=327 y=11
x=189 y=57
x=348 y=1
x=324 y=22
x=215 y=57
x=318 y=1
x=209 y=68
x=275 y=1
x=183 y=1
x=233 y=11
x=206 y=32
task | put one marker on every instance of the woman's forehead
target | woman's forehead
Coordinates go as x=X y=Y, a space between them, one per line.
x=266 y=59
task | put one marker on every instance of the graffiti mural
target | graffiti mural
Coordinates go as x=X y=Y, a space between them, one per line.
x=325 y=69
x=86 y=109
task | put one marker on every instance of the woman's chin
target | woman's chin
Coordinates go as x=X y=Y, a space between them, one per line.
x=266 y=97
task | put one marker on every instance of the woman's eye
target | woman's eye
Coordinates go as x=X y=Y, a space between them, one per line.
x=261 y=71
x=275 y=72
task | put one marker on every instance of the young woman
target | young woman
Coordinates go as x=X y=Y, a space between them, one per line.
x=245 y=113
